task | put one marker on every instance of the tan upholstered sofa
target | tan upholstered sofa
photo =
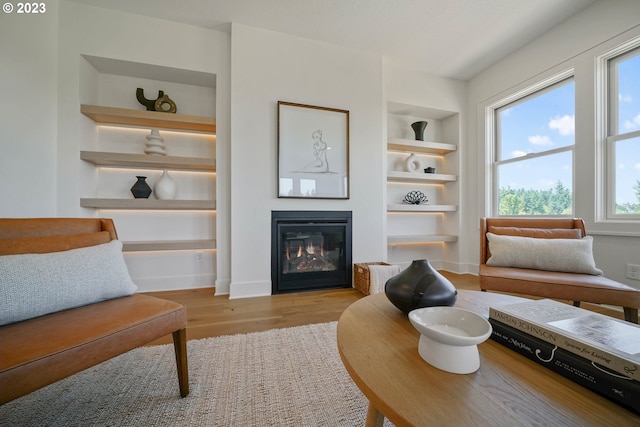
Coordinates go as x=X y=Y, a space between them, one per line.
x=38 y=351
x=570 y=286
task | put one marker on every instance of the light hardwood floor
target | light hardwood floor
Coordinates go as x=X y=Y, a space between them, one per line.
x=210 y=316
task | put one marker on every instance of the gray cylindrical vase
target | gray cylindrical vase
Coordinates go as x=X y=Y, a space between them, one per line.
x=418 y=129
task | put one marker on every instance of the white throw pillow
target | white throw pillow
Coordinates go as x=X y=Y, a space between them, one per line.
x=565 y=255
x=33 y=285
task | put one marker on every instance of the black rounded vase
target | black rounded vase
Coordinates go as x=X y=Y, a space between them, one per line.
x=418 y=129
x=141 y=189
x=420 y=285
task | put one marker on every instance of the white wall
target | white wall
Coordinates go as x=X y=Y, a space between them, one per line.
x=572 y=44
x=28 y=113
x=268 y=67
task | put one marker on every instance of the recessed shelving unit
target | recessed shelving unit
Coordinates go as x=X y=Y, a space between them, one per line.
x=152 y=120
x=421 y=208
x=417 y=239
x=410 y=145
x=144 y=161
x=148 y=119
x=433 y=178
x=433 y=222
x=168 y=245
x=148 y=204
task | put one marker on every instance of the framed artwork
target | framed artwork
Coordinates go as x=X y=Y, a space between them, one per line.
x=313 y=152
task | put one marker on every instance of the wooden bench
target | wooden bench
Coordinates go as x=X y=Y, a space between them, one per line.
x=41 y=350
x=550 y=284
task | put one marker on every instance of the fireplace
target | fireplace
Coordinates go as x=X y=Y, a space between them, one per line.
x=310 y=250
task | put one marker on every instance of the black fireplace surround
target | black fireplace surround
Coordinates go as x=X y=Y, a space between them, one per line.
x=310 y=250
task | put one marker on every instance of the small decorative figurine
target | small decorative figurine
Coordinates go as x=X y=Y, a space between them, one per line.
x=415 y=198
x=161 y=103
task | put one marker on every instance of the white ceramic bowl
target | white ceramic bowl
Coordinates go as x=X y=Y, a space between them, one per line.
x=449 y=337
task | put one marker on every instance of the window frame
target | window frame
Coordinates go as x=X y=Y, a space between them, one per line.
x=607 y=130
x=493 y=147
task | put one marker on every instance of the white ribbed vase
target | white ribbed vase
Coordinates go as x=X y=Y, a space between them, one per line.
x=155 y=144
x=165 y=188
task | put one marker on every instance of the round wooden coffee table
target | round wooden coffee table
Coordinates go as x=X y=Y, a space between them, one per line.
x=379 y=348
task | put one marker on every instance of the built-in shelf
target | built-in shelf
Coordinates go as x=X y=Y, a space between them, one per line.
x=151 y=204
x=168 y=245
x=149 y=119
x=144 y=161
x=414 y=146
x=416 y=239
x=433 y=178
x=401 y=207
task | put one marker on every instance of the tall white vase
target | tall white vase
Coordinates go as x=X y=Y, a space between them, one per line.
x=165 y=188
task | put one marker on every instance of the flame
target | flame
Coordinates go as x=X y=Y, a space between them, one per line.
x=310 y=249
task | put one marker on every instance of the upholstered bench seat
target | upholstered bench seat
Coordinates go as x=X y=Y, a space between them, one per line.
x=574 y=287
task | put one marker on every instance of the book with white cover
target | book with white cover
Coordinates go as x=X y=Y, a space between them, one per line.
x=610 y=342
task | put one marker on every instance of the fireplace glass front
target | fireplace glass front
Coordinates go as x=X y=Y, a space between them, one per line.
x=310 y=250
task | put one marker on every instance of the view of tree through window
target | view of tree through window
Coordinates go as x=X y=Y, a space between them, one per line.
x=534 y=152
x=624 y=132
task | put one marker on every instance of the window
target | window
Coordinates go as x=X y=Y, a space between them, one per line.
x=622 y=142
x=533 y=137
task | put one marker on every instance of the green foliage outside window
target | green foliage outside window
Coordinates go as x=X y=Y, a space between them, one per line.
x=630 y=208
x=555 y=201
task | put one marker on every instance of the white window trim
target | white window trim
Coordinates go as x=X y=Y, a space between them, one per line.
x=605 y=170
x=490 y=139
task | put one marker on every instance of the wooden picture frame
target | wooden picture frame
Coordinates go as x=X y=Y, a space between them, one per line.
x=313 y=152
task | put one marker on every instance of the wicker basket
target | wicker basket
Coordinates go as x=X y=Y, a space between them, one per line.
x=362 y=277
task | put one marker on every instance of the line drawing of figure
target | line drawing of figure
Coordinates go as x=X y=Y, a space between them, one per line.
x=320 y=164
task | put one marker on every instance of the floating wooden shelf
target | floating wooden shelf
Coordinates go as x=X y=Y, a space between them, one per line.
x=414 y=146
x=150 y=204
x=149 y=119
x=433 y=178
x=144 y=161
x=417 y=239
x=401 y=207
x=168 y=245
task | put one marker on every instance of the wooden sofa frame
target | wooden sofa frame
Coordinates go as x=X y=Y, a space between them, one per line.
x=550 y=284
x=39 y=351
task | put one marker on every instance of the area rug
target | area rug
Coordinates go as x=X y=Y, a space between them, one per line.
x=283 y=377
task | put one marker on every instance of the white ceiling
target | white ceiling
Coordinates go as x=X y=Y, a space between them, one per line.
x=450 y=38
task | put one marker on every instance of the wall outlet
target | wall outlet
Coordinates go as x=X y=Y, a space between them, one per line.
x=633 y=271
x=200 y=257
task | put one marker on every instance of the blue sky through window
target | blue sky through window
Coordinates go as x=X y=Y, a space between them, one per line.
x=628 y=152
x=545 y=121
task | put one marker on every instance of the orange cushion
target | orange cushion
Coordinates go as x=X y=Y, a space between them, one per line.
x=543 y=233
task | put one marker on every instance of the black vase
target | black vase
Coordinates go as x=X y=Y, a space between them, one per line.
x=420 y=285
x=141 y=189
x=418 y=129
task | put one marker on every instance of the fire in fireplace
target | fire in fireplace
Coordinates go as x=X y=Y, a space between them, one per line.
x=310 y=250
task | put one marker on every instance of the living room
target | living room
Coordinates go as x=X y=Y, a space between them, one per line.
x=254 y=69
x=78 y=53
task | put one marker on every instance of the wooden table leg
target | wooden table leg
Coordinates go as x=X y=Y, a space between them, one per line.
x=374 y=417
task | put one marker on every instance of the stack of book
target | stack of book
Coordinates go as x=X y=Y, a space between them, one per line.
x=594 y=350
